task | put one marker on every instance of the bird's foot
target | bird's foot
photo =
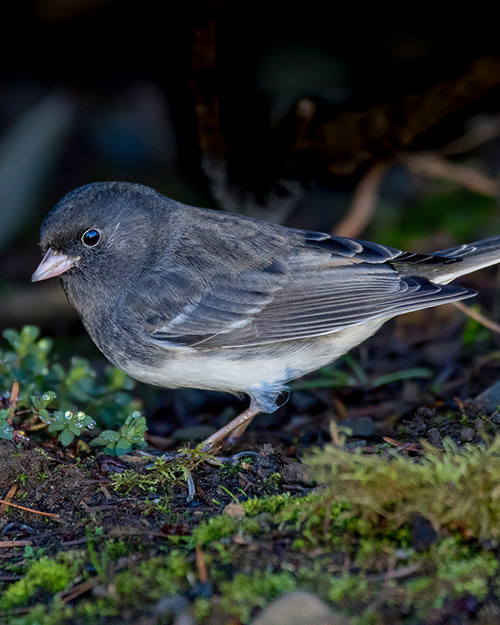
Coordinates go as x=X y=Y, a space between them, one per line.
x=187 y=459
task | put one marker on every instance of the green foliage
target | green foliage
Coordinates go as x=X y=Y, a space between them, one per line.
x=130 y=436
x=217 y=528
x=244 y=593
x=29 y=361
x=449 y=209
x=51 y=392
x=69 y=425
x=163 y=472
x=475 y=332
x=271 y=504
x=6 y=430
x=453 y=488
x=43 y=575
x=156 y=578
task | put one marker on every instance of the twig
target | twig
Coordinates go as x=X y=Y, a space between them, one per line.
x=435 y=166
x=201 y=565
x=483 y=131
x=403 y=571
x=80 y=589
x=14 y=505
x=477 y=316
x=8 y=498
x=401 y=446
x=363 y=203
x=15 y=543
x=13 y=395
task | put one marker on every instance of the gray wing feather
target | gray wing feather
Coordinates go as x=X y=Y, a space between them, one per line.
x=323 y=286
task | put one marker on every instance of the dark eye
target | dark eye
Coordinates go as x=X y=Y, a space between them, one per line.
x=91 y=237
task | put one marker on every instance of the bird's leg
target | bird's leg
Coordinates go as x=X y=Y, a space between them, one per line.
x=236 y=434
x=237 y=425
x=240 y=423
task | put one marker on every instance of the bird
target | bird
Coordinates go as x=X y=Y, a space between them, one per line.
x=184 y=297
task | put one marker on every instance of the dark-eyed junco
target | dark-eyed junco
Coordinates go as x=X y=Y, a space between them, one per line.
x=187 y=297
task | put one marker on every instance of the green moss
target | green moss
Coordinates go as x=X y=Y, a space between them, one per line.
x=347 y=588
x=271 y=504
x=163 y=472
x=215 y=529
x=44 y=575
x=157 y=577
x=244 y=593
x=453 y=488
x=55 y=614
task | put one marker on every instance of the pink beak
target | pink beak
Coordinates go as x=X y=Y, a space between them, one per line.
x=53 y=264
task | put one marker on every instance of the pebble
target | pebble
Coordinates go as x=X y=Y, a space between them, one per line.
x=296 y=473
x=489 y=399
x=434 y=438
x=299 y=608
x=467 y=435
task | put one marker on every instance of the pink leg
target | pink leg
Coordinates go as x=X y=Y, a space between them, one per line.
x=239 y=424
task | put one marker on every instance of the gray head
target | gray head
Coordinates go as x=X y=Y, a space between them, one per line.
x=95 y=227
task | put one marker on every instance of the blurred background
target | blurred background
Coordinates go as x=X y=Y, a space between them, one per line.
x=377 y=120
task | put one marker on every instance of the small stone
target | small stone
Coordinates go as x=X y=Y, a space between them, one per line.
x=362 y=442
x=495 y=418
x=266 y=463
x=479 y=424
x=489 y=399
x=296 y=473
x=299 y=608
x=234 y=510
x=137 y=461
x=169 y=605
x=434 y=438
x=467 y=435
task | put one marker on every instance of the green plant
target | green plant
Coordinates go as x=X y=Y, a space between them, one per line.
x=29 y=361
x=43 y=575
x=244 y=593
x=130 y=435
x=69 y=425
x=6 y=430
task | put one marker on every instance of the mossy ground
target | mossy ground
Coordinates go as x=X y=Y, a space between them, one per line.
x=385 y=533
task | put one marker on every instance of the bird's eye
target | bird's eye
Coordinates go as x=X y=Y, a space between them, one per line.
x=91 y=237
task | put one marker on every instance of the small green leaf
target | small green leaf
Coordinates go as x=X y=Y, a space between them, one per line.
x=29 y=334
x=66 y=437
x=122 y=447
x=12 y=337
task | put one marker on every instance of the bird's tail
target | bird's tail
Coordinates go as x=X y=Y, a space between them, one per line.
x=471 y=257
x=446 y=265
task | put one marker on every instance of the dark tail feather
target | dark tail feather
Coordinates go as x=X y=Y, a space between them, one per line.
x=446 y=265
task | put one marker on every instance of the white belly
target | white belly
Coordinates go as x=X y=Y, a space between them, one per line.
x=249 y=369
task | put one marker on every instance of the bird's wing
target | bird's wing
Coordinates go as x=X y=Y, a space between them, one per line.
x=322 y=286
